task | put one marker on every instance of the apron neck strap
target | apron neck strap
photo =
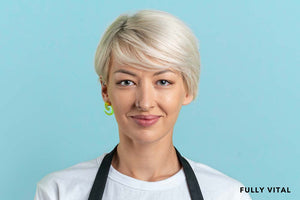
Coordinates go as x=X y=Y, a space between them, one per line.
x=102 y=174
x=101 y=177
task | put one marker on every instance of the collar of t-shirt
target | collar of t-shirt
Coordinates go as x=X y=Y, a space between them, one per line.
x=169 y=183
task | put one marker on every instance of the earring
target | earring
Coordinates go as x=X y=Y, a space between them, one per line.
x=109 y=109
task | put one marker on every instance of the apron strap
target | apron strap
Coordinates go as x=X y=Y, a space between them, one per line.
x=101 y=177
x=102 y=174
x=191 y=179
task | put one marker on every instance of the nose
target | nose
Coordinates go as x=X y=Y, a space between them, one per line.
x=145 y=96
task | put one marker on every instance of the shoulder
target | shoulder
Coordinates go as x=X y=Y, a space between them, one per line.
x=215 y=184
x=57 y=184
x=80 y=171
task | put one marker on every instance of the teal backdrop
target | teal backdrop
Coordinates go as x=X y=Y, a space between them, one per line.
x=244 y=123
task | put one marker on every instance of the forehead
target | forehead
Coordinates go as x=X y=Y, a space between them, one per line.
x=138 y=68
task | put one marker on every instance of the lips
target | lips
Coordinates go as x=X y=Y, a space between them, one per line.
x=145 y=120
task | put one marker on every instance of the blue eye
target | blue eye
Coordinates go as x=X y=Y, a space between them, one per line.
x=125 y=83
x=163 y=82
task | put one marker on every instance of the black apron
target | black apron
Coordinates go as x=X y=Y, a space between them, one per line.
x=101 y=177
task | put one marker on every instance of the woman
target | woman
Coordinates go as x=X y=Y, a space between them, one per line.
x=148 y=65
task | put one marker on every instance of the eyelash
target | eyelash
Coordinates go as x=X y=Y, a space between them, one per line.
x=168 y=82
x=121 y=82
x=159 y=81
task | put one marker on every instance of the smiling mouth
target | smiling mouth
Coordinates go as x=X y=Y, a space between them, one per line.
x=145 y=120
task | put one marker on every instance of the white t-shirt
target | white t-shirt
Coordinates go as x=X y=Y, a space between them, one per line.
x=75 y=183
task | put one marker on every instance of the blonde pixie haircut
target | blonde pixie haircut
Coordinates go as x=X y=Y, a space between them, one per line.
x=150 y=39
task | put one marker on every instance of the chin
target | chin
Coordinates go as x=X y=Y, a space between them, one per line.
x=146 y=137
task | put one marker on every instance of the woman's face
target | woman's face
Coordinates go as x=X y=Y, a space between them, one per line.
x=146 y=104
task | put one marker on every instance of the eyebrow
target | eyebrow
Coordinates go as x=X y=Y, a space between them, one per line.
x=162 y=72
x=125 y=72
x=133 y=74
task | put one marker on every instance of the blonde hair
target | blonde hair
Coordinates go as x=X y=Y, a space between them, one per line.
x=150 y=39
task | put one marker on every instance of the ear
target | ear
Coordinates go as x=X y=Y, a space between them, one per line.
x=104 y=91
x=188 y=99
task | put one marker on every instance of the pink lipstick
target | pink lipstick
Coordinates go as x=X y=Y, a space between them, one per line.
x=145 y=120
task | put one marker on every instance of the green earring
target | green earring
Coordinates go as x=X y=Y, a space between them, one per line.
x=108 y=108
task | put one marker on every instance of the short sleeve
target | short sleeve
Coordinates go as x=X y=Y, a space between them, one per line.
x=45 y=192
x=245 y=196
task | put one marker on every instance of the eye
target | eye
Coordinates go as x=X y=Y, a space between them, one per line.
x=163 y=82
x=125 y=83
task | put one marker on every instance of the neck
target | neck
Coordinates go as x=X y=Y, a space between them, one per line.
x=148 y=162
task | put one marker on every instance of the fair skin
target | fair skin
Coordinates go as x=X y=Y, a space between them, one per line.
x=146 y=106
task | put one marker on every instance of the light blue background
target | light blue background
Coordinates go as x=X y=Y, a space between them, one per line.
x=245 y=121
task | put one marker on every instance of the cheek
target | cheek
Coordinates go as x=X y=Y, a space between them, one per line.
x=122 y=101
x=171 y=102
